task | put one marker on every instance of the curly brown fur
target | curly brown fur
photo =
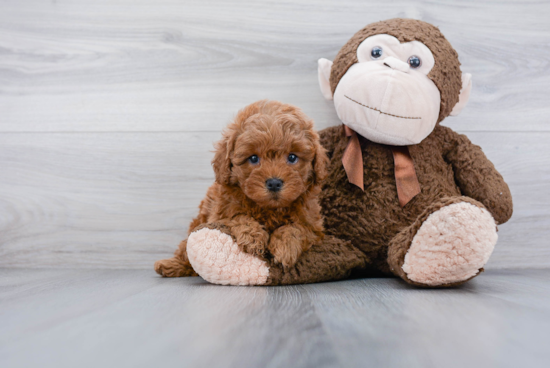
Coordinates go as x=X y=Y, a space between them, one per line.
x=273 y=225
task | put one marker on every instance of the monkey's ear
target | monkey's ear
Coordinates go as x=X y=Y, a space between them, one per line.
x=323 y=70
x=464 y=94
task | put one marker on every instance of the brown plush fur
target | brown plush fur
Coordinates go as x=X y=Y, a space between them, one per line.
x=448 y=166
x=329 y=259
x=450 y=169
x=276 y=226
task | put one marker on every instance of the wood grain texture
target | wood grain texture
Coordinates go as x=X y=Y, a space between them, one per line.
x=108 y=111
x=133 y=318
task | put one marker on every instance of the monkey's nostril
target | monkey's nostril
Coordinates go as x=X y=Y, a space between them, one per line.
x=274 y=184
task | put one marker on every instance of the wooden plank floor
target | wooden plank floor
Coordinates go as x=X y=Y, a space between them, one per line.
x=108 y=111
x=133 y=318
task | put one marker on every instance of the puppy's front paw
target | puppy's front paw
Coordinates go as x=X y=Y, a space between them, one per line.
x=285 y=249
x=251 y=239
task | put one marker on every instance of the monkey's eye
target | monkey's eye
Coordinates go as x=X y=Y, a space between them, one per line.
x=292 y=158
x=376 y=52
x=414 y=61
x=254 y=160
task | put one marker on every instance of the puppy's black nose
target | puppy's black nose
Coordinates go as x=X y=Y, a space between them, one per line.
x=274 y=184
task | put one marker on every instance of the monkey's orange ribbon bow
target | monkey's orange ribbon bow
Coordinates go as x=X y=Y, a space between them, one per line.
x=405 y=174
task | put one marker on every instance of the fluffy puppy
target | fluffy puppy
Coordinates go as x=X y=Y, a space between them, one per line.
x=268 y=166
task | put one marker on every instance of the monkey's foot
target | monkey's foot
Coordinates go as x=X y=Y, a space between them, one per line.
x=216 y=257
x=449 y=247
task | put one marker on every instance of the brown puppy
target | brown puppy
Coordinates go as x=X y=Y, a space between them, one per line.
x=268 y=166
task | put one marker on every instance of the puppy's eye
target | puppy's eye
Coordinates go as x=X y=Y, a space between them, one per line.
x=254 y=160
x=376 y=52
x=292 y=158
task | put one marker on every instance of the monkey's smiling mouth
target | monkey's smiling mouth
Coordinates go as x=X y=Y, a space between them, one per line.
x=382 y=112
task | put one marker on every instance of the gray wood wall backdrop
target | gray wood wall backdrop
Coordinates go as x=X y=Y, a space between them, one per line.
x=108 y=111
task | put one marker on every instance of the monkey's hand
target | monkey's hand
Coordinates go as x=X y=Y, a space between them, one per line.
x=477 y=177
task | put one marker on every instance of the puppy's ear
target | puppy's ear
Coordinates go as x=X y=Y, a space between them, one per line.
x=222 y=158
x=320 y=162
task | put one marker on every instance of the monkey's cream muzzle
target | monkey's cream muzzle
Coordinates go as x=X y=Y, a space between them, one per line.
x=387 y=97
x=388 y=104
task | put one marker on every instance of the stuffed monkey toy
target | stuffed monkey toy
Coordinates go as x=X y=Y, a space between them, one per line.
x=404 y=195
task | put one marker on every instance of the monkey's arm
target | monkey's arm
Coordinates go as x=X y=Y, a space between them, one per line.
x=329 y=137
x=477 y=177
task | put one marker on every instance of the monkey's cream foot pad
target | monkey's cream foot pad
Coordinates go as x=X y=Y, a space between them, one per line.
x=452 y=245
x=219 y=260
